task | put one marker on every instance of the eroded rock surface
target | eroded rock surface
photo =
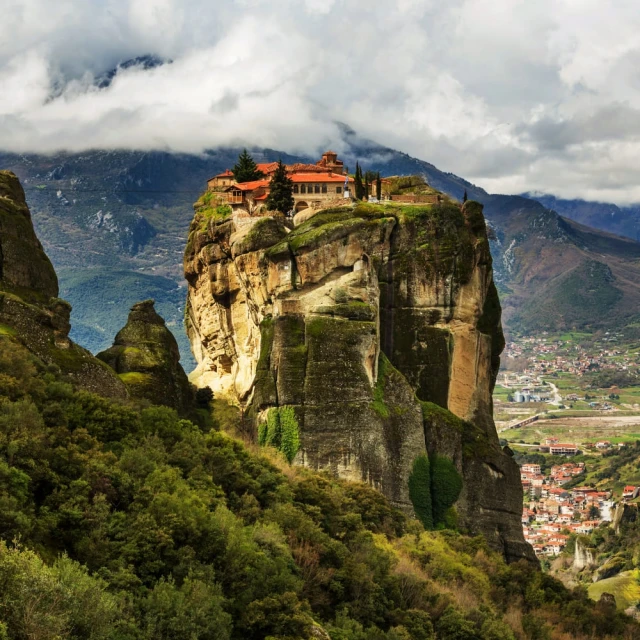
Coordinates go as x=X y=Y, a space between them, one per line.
x=381 y=326
x=30 y=310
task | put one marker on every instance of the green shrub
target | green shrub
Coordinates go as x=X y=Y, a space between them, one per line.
x=262 y=434
x=446 y=485
x=290 y=433
x=454 y=626
x=420 y=491
x=274 y=432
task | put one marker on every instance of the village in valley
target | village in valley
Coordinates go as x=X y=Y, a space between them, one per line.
x=569 y=406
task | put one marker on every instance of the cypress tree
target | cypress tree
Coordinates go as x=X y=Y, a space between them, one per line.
x=378 y=186
x=464 y=197
x=246 y=170
x=358 y=186
x=280 y=196
x=446 y=485
x=420 y=491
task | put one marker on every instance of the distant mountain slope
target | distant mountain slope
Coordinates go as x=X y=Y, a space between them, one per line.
x=623 y=221
x=115 y=225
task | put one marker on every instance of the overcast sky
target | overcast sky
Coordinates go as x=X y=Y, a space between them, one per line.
x=514 y=95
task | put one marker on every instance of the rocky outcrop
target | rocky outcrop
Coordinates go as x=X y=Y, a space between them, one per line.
x=624 y=514
x=145 y=355
x=584 y=556
x=380 y=326
x=30 y=310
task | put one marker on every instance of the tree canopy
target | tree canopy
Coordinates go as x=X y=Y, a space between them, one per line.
x=136 y=525
x=246 y=170
x=280 y=196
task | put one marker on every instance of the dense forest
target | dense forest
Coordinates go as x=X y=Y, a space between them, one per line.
x=123 y=521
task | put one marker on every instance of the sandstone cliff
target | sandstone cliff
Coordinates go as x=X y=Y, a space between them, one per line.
x=380 y=327
x=145 y=355
x=30 y=310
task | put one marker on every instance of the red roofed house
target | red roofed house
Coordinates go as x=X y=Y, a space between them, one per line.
x=630 y=492
x=563 y=449
x=222 y=180
x=330 y=162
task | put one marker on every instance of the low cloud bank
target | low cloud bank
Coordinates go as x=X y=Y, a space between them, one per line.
x=515 y=97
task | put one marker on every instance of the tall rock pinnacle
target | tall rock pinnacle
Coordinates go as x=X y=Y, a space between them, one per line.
x=146 y=356
x=374 y=332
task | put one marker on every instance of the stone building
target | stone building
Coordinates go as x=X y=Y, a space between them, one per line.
x=221 y=181
x=313 y=185
x=330 y=162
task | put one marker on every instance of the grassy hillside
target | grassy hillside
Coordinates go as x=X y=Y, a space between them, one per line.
x=123 y=522
x=625 y=587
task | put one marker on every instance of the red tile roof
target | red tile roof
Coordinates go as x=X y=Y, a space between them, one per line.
x=267 y=167
x=249 y=186
x=319 y=177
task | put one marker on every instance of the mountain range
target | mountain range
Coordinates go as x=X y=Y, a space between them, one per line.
x=115 y=225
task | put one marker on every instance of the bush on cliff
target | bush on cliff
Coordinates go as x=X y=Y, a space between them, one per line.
x=446 y=485
x=434 y=487
x=281 y=431
x=136 y=525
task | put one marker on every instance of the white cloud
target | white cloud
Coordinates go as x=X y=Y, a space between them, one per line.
x=513 y=95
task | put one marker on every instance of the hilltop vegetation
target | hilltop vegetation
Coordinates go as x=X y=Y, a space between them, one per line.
x=123 y=521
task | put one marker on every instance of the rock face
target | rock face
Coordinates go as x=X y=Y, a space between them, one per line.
x=380 y=326
x=145 y=355
x=30 y=310
x=624 y=514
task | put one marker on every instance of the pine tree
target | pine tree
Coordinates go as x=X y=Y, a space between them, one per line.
x=378 y=187
x=246 y=170
x=464 y=197
x=280 y=196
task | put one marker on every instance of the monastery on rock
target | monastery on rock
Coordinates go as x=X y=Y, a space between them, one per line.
x=314 y=185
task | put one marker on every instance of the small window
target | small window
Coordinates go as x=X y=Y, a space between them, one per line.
x=324 y=188
x=303 y=188
x=317 y=188
x=338 y=189
x=295 y=188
